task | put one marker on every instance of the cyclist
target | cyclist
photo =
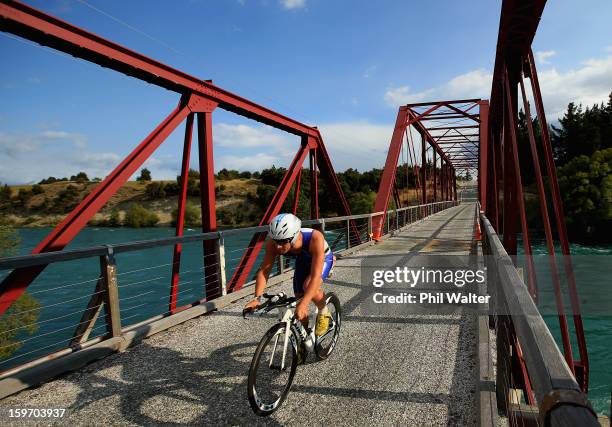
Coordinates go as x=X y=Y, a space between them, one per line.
x=314 y=260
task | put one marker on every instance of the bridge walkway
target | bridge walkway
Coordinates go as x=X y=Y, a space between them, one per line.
x=415 y=369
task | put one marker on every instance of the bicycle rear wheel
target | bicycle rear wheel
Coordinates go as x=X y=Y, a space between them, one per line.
x=326 y=343
x=269 y=378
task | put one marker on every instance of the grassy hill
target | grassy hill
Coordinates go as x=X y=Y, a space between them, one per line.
x=46 y=205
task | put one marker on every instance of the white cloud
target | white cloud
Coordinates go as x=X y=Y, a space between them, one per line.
x=608 y=49
x=590 y=84
x=473 y=84
x=293 y=4
x=14 y=145
x=542 y=56
x=245 y=136
x=358 y=145
x=79 y=141
x=253 y=163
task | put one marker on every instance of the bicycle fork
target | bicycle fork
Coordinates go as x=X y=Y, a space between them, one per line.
x=287 y=321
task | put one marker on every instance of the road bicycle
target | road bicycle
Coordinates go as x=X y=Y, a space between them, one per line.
x=276 y=357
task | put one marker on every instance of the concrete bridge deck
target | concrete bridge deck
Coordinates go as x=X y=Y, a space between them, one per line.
x=414 y=369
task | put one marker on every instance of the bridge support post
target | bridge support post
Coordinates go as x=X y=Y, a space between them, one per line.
x=483 y=153
x=424 y=168
x=435 y=189
x=111 y=296
x=180 y=215
x=348 y=233
x=207 y=200
x=222 y=273
x=581 y=367
x=314 y=185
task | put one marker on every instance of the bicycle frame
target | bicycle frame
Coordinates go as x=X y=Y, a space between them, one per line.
x=287 y=317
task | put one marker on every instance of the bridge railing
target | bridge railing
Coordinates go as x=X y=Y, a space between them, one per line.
x=111 y=301
x=534 y=384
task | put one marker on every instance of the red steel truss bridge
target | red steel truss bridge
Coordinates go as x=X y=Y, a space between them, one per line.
x=453 y=368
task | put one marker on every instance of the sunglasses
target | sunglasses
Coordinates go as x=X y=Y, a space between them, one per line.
x=282 y=241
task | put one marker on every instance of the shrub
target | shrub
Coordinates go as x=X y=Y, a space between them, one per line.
x=225 y=174
x=66 y=200
x=115 y=219
x=192 y=215
x=5 y=193
x=20 y=318
x=155 y=190
x=37 y=189
x=79 y=177
x=138 y=216
x=145 y=175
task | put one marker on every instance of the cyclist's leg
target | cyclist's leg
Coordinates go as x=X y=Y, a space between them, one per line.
x=301 y=278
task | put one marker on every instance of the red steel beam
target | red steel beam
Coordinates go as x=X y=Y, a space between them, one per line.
x=180 y=216
x=37 y=26
x=208 y=203
x=198 y=96
x=550 y=245
x=583 y=365
x=15 y=283
x=241 y=274
x=512 y=114
x=296 y=193
x=314 y=185
x=388 y=176
x=454 y=127
x=455 y=101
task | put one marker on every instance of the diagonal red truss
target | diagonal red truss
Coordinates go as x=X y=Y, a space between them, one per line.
x=442 y=126
x=197 y=96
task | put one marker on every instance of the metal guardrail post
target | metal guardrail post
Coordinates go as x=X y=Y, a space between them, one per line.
x=396 y=220
x=387 y=222
x=370 y=227
x=281 y=259
x=348 y=233
x=108 y=268
x=222 y=273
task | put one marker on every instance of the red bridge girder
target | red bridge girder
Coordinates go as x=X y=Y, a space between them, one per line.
x=197 y=96
x=500 y=169
x=452 y=147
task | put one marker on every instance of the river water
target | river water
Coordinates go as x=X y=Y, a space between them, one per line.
x=63 y=291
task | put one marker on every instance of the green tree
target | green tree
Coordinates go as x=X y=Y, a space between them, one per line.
x=5 y=193
x=22 y=315
x=145 y=175
x=582 y=132
x=586 y=189
x=138 y=216
x=192 y=215
x=80 y=177
x=115 y=218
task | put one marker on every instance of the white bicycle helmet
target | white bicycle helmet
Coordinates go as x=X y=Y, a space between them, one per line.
x=285 y=226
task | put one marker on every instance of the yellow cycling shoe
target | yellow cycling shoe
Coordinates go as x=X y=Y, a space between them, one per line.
x=322 y=325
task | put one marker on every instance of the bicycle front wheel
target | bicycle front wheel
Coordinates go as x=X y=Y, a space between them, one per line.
x=272 y=370
x=326 y=343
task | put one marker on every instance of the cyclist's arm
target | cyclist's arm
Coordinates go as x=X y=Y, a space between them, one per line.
x=317 y=252
x=263 y=272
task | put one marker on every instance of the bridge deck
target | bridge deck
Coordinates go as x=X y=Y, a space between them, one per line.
x=404 y=369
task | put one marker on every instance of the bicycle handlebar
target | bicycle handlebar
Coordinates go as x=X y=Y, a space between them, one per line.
x=273 y=301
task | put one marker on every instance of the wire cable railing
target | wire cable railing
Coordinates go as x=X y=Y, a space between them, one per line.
x=73 y=315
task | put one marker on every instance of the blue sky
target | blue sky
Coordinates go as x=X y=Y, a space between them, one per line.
x=344 y=66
